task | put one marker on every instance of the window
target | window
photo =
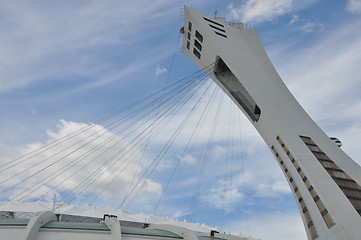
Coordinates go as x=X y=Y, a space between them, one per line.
x=199 y=36
x=211 y=21
x=348 y=186
x=220 y=34
x=188 y=44
x=219 y=29
x=198 y=54
x=310 y=224
x=189 y=36
x=190 y=26
x=324 y=212
x=197 y=45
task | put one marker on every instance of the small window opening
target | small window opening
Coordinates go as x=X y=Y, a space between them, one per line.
x=197 y=45
x=190 y=26
x=188 y=44
x=310 y=224
x=198 y=54
x=199 y=36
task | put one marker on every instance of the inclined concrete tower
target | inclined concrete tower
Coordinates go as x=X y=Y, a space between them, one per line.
x=324 y=180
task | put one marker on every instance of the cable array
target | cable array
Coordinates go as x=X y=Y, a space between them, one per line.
x=48 y=166
x=115 y=158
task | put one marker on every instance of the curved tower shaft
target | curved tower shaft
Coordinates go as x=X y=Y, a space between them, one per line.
x=324 y=180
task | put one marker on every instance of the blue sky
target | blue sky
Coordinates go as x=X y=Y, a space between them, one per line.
x=64 y=65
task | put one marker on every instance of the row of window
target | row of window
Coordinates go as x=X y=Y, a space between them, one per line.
x=322 y=209
x=306 y=214
x=197 y=49
x=218 y=28
x=197 y=41
x=348 y=186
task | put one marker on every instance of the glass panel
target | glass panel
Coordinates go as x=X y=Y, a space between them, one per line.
x=199 y=36
x=198 y=54
x=197 y=45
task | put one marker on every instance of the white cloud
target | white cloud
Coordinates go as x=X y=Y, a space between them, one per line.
x=222 y=195
x=160 y=70
x=304 y=24
x=279 y=225
x=263 y=182
x=81 y=158
x=325 y=64
x=7 y=152
x=67 y=41
x=256 y=11
x=294 y=19
x=188 y=159
x=298 y=5
x=219 y=152
x=309 y=27
x=235 y=12
x=272 y=189
x=354 y=6
x=255 y=180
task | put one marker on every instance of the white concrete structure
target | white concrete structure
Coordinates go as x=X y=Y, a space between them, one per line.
x=37 y=221
x=324 y=180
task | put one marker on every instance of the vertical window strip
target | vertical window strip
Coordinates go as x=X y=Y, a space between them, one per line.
x=328 y=220
x=311 y=229
x=348 y=186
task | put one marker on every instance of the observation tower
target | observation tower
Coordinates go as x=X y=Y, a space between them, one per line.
x=324 y=180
